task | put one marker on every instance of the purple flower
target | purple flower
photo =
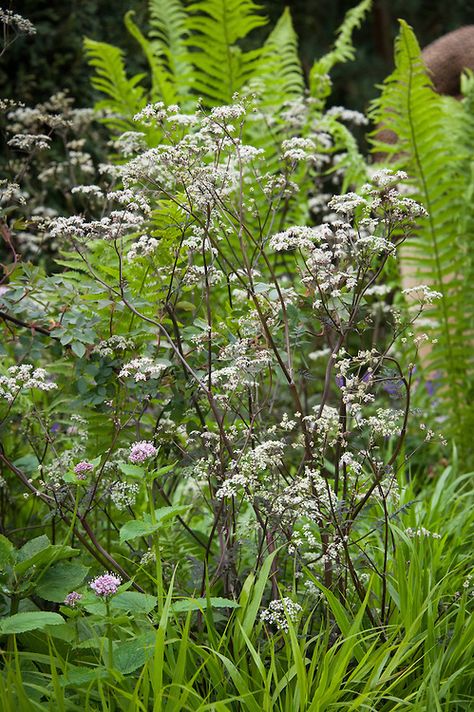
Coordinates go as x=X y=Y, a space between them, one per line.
x=72 y=598
x=340 y=381
x=144 y=450
x=106 y=585
x=82 y=468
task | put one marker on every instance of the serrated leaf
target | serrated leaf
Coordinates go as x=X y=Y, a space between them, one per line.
x=144 y=527
x=60 y=580
x=133 y=601
x=132 y=470
x=133 y=654
x=81 y=676
x=40 y=551
x=29 y=620
x=136 y=528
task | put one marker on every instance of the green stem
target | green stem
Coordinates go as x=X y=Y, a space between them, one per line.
x=109 y=635
x=156 y=550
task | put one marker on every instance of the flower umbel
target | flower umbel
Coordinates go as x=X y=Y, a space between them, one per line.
x=72 y=598
x=82 y=468
x=141 y=451
x=279 y=612
x=105 y=585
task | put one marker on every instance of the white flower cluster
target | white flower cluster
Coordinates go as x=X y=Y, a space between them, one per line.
x=384 y=193
x=279 y=613
x=130 y=143
x=386 y=422
x=142 y=369
x=111 y=227
x=143 y=247
x=90 y=191
x=247 y=154
x=422 y=293
x=294 y=113
x=223 y=114
x=124 y=494
x=421 y=532
x=23 y=378
x=309 y=496
x=17 y=22
x=355 y=379
x=244 y=472
x=297 y=237
x=353 y=117
x=200 y=275
x=131 y=199
x=11 y=192
x=347 y=204
x=386 y=178
x=30 y=142
x=298 y=149
x=115 y=343
x=156 y=112
x=325 y=427
x=247 y=363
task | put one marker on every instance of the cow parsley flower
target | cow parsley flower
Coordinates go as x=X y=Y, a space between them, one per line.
x=17 y=22
x=24 y=377
x=142 y=369
x=422 y=293
x=124 y=494
x=279 y=612
x=143 y=247
x=106 y=585
x=421 y=532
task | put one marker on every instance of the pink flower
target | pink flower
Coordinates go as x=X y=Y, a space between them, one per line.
x=82 y=468
x=106 y=585
x=72 y=598
x=144 y=450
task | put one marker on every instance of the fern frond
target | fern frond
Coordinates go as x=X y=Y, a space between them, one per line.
x=125 y=97
x=221 y=68
x=343 y=50
x=168 y=33
x=279 y=59
x=429 y=148
x=162 y=84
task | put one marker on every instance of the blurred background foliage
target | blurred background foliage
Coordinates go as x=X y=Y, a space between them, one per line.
x=36 y=67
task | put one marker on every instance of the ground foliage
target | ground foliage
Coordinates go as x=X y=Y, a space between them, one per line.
x=224 y=483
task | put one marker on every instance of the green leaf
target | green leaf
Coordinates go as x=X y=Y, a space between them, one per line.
x=40 y=551
x=133 y=601
x=72 y=478
x=60 y=580
x=78 y=348
x=199 y=604
x=132 y=470
x=82 y=676
x=162 y=471
x=136 y=528
x=220 y=66
x=144 y=527
x=124 y=96
x=29 y=620
x=6 y=552
x=133 y=654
